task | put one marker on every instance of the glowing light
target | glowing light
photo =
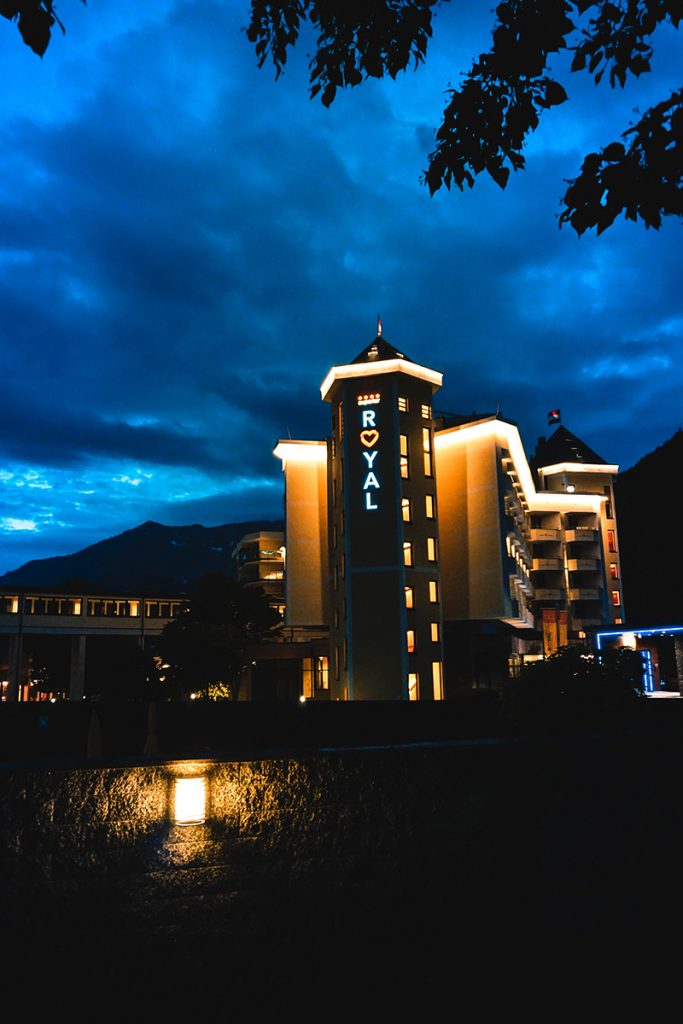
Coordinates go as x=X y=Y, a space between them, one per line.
x=576 y=467
x=190 y=801
x=374 y=369
x=301 y=451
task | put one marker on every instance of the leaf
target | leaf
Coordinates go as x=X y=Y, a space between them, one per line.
x=554 y=94
x=615 y=151
x=579 y=62
x=35 y=26
x=500 y=175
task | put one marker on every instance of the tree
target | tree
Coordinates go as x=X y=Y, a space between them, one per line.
x=499 y=103
x=575 y=678
x=206 y=648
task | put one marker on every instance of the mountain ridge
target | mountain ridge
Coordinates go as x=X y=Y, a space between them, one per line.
x=145 y=558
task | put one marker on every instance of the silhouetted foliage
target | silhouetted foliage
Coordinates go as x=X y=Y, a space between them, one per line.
x=501 y=98
x=204 y=650
x=575 y=678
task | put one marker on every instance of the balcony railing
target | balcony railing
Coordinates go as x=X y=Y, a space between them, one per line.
x=538 y=534
x=547 y=594
x=539 y=564
x=581 y=564
x=581 y=533
x=583 y=594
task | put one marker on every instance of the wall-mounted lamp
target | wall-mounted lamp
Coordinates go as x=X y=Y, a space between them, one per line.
x=189 y=800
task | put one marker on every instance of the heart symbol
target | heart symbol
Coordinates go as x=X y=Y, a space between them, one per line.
x=369 y=437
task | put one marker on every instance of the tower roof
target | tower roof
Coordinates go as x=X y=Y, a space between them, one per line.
x=377 y=350
x=563 y=446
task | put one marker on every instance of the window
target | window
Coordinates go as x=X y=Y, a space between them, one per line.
x=307 y=677
x=611 y=540
x=435 y=632
x=407 y=553
x=413 y=686
x=402 y=404
x=616 y=598
x=334 y=448
x=614 y=570
x=433 y=592
x=410 y=597
x=437 y=680
x=403 y=442
x=341 y=420
x=429 y=506
x=336 y=618
x=427 y=449
x=431 y=549
x=335 y=577
x=334 y=535
x=410 y=640
x=608 y=510
x=406 y=510
x=426 y=411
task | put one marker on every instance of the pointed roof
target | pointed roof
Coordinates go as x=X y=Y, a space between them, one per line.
x=377 y=350
x=563 y=446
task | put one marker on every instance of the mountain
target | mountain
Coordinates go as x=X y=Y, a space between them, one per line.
x=150 y=558
x=648 y=521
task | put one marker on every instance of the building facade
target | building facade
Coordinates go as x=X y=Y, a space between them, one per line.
x=429 y=549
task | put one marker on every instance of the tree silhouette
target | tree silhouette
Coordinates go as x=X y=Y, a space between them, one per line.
x=205 y=649
x=499 y=102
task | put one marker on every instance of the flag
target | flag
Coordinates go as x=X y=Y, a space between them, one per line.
x=553 y=416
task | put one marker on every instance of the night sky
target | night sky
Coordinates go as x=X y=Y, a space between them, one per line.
x=187 y=246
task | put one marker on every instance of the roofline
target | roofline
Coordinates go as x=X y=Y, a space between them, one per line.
x=577 y=467
x=382 y=366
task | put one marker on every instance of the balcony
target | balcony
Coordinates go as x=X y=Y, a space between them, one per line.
x=547 y=595
x=581 y=564
x=538 y=535
x=540 y=564
x=583 y=594
x=581 y=533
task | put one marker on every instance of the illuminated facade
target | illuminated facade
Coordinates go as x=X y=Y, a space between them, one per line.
x=429 y=548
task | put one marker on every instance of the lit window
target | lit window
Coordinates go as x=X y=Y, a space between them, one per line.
x=402 y=403
x=435 y=632
x=403 y=438
x=410 y=597
x=334 y=448
x=431 y=549
x=427 y=449
x=616 y=598
x=433 y=592
x=307 y=677
x=413 y=686
x=611 y=540
x=407 y=553
x=618 y=622
x=426 y=412
x=437 y=680
x=429 y=506
x=614 y=570
x=341 y=420
x=410 y=640
x=406 y=510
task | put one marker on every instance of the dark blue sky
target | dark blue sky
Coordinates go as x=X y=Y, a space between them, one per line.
x=187 y=246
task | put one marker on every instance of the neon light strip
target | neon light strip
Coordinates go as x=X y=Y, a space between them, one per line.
x=380 y=367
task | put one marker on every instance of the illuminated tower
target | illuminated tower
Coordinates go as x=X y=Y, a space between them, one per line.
x=386 y=622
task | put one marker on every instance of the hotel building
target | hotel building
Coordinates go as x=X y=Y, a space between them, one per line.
x=429 y=549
